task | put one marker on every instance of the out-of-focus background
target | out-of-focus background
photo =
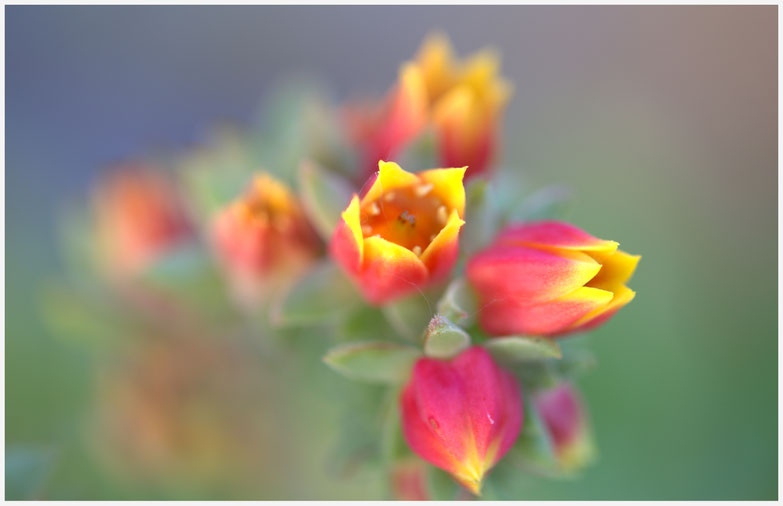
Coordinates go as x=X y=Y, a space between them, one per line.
x=662 y=119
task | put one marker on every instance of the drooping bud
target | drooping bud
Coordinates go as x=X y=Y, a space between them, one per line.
x=461 y=415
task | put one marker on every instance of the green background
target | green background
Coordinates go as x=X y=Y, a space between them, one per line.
x=663 y=120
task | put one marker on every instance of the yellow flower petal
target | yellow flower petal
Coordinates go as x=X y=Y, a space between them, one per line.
x=390 y=176
x=447 y=186
x=353 y=222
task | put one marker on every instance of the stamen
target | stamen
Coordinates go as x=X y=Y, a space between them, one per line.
x=389 y=196
x=423 y=189
x=374 y=210
x=366 y=229
x=443 y=216
x=417 y=250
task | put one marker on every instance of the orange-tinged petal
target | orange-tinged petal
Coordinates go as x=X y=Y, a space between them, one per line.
x=508 y=316
x=389 y=177
x=389 y=270
x=347 y=244
x=441 y=254
x=528 y=275
x=447 y=186
x=554 y=234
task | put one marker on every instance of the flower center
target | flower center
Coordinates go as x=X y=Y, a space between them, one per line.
x=410 y=217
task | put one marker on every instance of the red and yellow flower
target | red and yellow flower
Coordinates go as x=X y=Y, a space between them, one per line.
x=461 y=415
x=466 y=103
x=138 y=217
x=565 y=420
x=549 y=278
x=263 y=239
x=403 y=233
x=463 y=102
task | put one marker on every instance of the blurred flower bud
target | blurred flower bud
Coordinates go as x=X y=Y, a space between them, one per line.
x=466 y=101
x=461 y=415
x=263 y=240
x=138 y=217
x=462 y=102
x=173 y=408
x=549 y=278
x=402 y=234
x=564 y=418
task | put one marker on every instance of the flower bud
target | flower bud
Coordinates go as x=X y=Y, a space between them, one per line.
x=138 y=217
x=402 y=234
x=462 y=102
x=263 y=239
x=549 y=278
x=461 y=415
x=564 y=418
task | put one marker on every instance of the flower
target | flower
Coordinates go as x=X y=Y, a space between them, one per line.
x=138 y=217
x=466 y=102
x=564 y=418
x=263 y=239
x=462 y=102
x=461 y=415
x=402 y=234
x=549 y=278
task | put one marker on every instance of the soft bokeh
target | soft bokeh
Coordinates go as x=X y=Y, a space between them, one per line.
x=663 y=121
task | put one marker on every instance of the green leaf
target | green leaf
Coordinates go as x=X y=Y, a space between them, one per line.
x=409 y=316
x=481 y=221
x=458 y=303
x=373 y=361
x=324 y=295
x=514 y=349
x=324 y=196
x=443 y=339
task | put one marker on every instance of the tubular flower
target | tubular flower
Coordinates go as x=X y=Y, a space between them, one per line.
x=138 y=217
x=263 y=239
x=461 y=415
x=462 y=102
x=549 y=278
x=466 y=102
x=564 y=418
x=402 y=234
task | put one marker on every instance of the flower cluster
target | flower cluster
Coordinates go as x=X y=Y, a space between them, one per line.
x=422 y=280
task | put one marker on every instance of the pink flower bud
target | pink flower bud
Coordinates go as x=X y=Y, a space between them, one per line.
x=549 y=278
x=461 y=415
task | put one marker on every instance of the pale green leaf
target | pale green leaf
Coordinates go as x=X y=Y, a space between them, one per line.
x=522 y=349
x=443 y=339
x=325 y=195
x=373 y=361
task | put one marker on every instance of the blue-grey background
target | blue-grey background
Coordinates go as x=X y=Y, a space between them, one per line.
x=662 y=119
